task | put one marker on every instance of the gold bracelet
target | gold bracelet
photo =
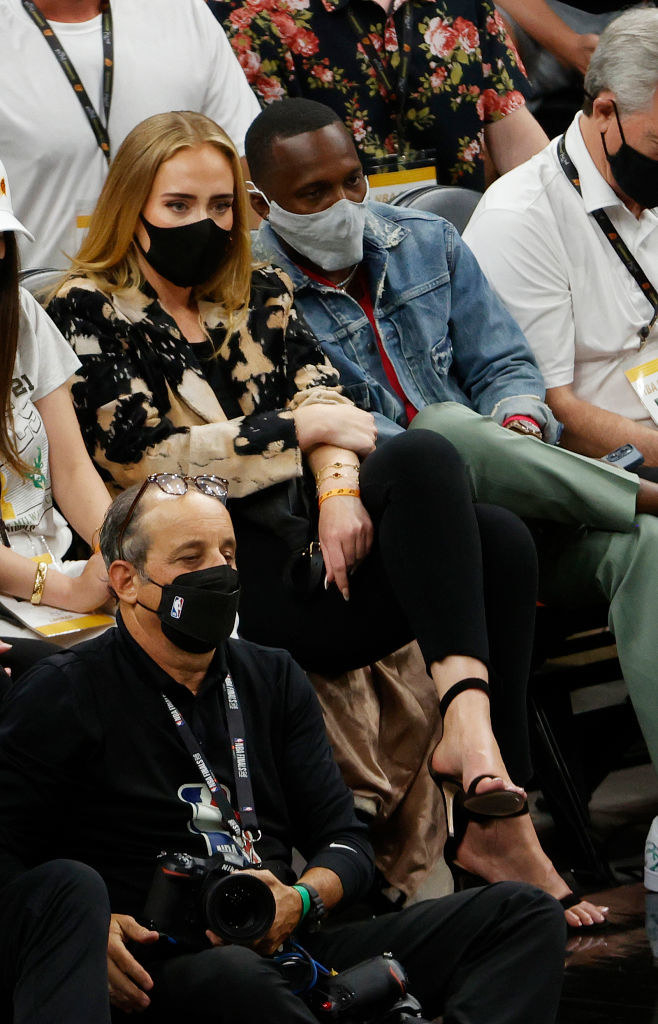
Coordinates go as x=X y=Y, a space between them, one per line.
x=352 y=491
x=39 y=582
x=335 y=466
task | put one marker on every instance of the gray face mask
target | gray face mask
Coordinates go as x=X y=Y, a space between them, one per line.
x=331 y=239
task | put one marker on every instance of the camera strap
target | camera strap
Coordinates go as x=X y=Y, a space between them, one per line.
x=244 y=825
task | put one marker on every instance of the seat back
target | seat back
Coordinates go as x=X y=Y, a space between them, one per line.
x=404 y=198
x=39 y=281
x=449 y=201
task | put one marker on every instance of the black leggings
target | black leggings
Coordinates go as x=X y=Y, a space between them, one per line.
x=461 y=579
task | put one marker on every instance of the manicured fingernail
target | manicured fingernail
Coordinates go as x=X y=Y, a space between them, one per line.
x=346 y=595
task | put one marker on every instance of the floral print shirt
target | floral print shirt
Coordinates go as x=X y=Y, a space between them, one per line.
x=463 y=71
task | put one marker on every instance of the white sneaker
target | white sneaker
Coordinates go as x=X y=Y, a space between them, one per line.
x=651 y=858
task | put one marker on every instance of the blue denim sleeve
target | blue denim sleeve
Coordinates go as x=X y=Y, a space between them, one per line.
x=491 y=358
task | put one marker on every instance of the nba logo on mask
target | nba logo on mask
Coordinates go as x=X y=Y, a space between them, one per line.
x=177 y=608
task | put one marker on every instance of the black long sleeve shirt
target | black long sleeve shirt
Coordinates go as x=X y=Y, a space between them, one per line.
x=92 y=766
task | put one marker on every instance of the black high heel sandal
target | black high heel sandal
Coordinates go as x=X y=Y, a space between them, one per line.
x=457 y=819
x=499 y=803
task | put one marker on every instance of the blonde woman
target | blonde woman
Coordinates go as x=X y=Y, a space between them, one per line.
x=195 y=363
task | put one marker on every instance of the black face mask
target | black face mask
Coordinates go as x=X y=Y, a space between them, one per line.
x=635 y=173
x=197 y=610
x=186 y=255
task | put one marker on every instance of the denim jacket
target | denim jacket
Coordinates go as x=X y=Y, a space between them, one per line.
x=447 y=335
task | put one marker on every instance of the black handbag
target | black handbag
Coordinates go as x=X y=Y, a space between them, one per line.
x=289 y=510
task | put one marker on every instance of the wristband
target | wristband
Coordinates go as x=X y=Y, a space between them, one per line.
x=306 y=900
x=519 y=418
x=353 y=492
x=39 y=582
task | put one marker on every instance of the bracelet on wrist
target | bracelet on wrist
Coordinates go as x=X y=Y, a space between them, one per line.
x=334 y=470
x=39 y=582
x=306 y=900
x=353 y=492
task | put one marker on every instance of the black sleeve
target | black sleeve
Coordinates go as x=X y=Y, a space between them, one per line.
x=44 y=742
x=321 y=807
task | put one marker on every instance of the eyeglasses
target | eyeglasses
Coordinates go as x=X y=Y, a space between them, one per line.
x=175 y=483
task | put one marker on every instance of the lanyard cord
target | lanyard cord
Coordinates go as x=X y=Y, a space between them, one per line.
x=397 y=92
x=99 y=129
x=617 y=243
x=244 y=826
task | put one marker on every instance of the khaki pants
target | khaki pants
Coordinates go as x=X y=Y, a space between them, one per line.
x=596 y=549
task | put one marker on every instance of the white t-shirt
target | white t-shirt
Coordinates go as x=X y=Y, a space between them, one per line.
x=168 y=55
x=551 y=264
x=44 y=361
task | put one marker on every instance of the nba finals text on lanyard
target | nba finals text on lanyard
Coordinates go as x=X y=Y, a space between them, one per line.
x=244 y=825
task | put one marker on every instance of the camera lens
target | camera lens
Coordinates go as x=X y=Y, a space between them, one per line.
x=238 y=907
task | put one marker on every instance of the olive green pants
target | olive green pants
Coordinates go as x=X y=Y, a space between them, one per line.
x=596 y=547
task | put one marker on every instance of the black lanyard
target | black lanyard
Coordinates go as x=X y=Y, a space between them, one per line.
x=99 y=129
x=397 y=91
x=617 y=243
x=244 y=825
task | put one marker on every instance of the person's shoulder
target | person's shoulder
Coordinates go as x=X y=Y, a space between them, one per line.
x=411 y=233
x=79 y=292
x=270 y=668
x=269 y=280
x=526 y=189
x=67 y=674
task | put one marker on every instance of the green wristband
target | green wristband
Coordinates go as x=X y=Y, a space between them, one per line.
x=306 y=900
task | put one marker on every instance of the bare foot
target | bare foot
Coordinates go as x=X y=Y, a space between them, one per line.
x=507 y=849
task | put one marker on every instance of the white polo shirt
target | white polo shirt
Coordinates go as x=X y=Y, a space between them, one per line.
x=168 y=55
x=560 y=278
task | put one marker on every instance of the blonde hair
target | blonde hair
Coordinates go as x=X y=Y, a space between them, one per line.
x=108 y=255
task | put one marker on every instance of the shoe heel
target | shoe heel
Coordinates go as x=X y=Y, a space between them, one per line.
x=449 y=791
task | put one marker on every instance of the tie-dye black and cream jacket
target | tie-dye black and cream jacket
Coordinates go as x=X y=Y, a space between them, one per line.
x=143 y=402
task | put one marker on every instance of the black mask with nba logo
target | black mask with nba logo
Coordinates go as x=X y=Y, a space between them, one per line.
x=197 y=610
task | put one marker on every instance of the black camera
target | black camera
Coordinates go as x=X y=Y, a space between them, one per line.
x=190 y=894
x=372 y=992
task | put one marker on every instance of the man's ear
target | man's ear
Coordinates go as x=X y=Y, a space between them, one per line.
x=123 y=581
x=258 y=205
x=603 y=110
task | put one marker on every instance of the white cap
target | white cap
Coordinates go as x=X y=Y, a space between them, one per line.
x=7 y=220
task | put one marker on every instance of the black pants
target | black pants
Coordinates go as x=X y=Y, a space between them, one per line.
x=53 y=946
x=487 y=956
x=461 y=579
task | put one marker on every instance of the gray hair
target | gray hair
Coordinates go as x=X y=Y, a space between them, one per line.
x=135 y=543
x=626 y=62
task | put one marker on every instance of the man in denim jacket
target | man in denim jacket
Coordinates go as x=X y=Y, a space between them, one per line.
x=401 y=307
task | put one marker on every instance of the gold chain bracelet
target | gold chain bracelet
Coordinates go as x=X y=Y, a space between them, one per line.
x=336 y=466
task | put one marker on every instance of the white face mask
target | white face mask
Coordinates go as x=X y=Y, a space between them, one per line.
x=332 y=238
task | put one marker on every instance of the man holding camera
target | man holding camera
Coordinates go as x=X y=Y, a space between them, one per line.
x=164 y=738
